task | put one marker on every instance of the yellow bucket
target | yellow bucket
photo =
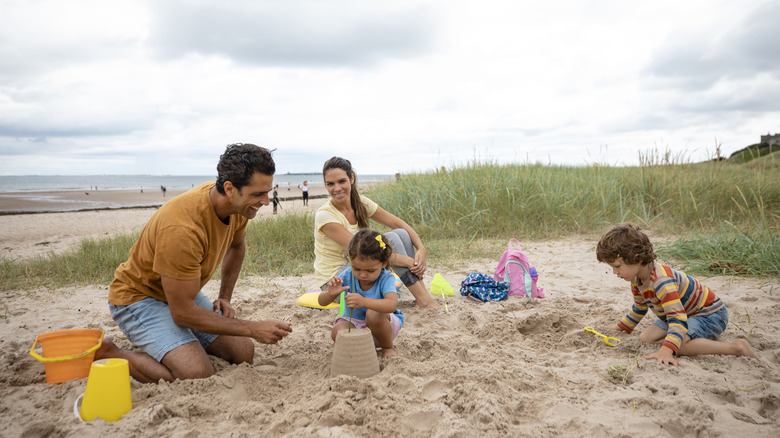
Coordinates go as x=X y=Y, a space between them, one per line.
x=67 y=354
x=107 y=395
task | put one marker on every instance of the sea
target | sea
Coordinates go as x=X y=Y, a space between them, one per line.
x=43 y=183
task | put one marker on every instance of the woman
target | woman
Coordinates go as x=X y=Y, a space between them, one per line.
x=344 y=214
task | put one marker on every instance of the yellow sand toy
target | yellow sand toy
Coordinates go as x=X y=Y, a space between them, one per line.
x=439 y=286
x=607 y=339
x=309 y=299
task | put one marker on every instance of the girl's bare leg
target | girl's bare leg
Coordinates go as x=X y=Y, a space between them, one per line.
x=382 y=330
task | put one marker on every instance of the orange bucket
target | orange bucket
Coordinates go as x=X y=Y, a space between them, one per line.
x=67 y=354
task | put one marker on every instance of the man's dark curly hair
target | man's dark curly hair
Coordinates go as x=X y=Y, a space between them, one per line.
x=239 y=162
x=626 y=242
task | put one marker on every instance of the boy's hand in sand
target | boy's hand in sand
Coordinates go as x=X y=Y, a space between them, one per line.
x=270 y=332
x=664 y=356
x=223 y=305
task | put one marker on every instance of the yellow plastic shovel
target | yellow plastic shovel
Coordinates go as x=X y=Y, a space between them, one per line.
x=607 y=339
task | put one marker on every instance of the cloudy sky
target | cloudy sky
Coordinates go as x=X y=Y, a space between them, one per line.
x=161 y=86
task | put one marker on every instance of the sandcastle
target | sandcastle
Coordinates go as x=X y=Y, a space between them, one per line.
x=354 y=354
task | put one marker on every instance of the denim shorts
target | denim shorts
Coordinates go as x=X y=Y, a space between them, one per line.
x=705 y=326
x=149 y=325
x=395 y=323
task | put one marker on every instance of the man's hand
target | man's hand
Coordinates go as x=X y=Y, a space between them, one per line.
x=664 y=356
x=270 y=332
x=221 y=304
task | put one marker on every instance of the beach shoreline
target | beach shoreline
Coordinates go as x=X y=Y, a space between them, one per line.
x=59 y=201
x=30 y=227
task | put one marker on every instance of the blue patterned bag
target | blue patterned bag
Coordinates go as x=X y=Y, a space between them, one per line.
x=483 y=287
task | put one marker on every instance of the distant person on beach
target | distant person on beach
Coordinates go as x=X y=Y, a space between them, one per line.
x=156 y=297
x=690 y=316
x=371 y=295
x=275 y=199
x=344 y=214
x=305 y=190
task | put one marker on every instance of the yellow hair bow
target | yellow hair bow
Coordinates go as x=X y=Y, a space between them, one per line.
x=381 y=243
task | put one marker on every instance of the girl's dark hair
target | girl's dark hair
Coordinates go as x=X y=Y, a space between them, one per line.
x=357 y=205
x=627 y=242
x=364 y=244
x=239 y=162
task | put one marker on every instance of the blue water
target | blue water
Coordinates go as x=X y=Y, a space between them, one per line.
x=37 y=183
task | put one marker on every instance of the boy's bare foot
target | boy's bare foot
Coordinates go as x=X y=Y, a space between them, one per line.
x=387 y=353
x=744 y=349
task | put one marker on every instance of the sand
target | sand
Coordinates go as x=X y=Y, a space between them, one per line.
x=519 y=367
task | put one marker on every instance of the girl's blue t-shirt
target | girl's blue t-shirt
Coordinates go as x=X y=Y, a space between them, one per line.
x=383 y=285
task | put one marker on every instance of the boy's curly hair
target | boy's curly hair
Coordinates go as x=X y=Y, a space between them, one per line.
x=626 y=242
x=365 y=245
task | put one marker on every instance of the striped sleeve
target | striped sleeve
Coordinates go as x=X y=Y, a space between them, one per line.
x=668 y=292
x=637 y=312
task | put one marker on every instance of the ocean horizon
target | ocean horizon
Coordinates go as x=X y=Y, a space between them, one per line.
x=43 y=183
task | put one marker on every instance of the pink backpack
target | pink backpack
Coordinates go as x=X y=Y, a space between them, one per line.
x=515 y=270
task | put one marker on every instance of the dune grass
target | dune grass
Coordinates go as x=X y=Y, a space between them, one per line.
x=93 y=262
x=536 y=201
x=717 y=211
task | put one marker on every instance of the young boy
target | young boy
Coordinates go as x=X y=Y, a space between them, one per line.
x=690 y=316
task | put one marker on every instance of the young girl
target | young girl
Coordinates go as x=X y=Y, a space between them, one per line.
x=690 y=315
x=371 y=293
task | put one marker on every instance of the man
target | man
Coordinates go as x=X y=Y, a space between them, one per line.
x=155 y=297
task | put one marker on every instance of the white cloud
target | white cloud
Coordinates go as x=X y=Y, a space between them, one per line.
x=162 y=86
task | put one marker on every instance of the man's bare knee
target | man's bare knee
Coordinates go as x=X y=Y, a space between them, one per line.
x=194 y=372
x=234 y=349
x=188 y=361
x=243 y=352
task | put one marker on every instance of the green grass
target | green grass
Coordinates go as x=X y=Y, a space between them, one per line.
x=536 y=201
x=753 y=152
x=282 y=246
x=719 y=211
x=728 y=251
x=93 y=262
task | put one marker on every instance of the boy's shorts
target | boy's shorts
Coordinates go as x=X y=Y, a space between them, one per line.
x=705 y=326
x=148 y=324
x=395 y=323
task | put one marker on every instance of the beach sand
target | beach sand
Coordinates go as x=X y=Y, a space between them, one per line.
x=519 y=367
